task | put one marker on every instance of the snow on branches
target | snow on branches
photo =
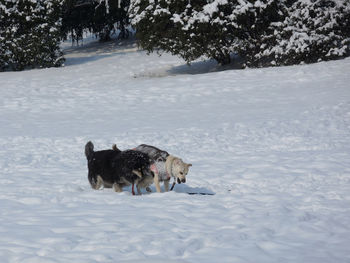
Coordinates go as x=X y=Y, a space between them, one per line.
x=264 y=32
x=29 y=34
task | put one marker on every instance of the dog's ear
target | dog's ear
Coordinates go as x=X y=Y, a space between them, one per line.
x=114 y=147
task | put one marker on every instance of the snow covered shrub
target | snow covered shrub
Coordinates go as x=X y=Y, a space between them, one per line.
x=190 y=29
x=263 y=32
x=312 y=30
x=158 y=25
x=250 y=21
x=29 y=34
x=185 y=28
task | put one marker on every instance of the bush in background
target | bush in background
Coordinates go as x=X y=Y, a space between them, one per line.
x=263 y=32
x=29 y=34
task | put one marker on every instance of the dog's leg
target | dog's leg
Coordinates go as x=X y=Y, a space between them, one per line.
x=138 y=189
x=98 y=183
x=156 y=182
x=117 y=188
x=166 y=185
x=139 y=174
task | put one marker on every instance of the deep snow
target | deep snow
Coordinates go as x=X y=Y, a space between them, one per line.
x=273 y=145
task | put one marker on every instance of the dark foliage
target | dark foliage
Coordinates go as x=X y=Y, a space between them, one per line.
x=98 y=17
x=29 y=34
x=263 y=33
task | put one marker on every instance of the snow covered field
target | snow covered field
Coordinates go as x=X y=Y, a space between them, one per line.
x=272 y=144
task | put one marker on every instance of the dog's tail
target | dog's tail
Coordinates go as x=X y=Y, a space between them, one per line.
x=115 y=148
x=89 y=150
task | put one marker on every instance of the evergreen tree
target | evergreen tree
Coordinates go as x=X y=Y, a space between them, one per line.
x=310 y=31
x=161 y=25
x=29 y=34
x=190 y=29
x=263 y=32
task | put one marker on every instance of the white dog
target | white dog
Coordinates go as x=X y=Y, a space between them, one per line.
x=167 y=166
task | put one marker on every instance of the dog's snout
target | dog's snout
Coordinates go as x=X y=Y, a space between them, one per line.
x=181 y=180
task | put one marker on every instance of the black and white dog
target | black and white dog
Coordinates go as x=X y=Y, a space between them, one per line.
x=115 y=168
x=167 y=166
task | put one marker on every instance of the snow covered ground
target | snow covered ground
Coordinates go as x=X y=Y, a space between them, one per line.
x=272 y=144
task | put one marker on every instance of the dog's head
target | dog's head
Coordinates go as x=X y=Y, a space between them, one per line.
x=180 y=170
